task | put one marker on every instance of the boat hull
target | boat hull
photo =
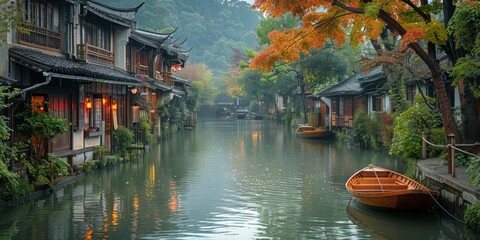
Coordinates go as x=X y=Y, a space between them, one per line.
x=309 y=132
x=382 y=188
x=406 y=200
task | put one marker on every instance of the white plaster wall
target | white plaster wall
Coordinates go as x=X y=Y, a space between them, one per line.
x=120 y=44
x=387 y=106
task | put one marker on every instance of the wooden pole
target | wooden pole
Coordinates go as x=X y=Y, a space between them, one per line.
x=451 y=153
x=424 y=146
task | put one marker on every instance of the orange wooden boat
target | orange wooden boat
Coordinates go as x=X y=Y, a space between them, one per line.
x=313 y=132
x=383 y=188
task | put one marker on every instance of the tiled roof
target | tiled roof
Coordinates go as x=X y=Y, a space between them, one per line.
x=6 y=80
x=181 y=80
x=121 y=16
x=44 y=62
x=353 y=85
x=173 y=53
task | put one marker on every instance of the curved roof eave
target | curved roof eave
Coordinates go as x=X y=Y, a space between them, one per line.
x=133 y=9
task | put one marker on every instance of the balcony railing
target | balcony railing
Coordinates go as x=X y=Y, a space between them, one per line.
x=95 y=54
x=39 y=36
x=167 y=78
x=138 y=69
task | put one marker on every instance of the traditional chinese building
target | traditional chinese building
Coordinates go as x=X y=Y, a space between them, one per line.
x=83 y=61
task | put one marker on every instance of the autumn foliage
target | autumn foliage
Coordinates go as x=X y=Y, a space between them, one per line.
x=331 y=20
x=334 y=21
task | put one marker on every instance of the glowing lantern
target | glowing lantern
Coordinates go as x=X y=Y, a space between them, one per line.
x=89 y=103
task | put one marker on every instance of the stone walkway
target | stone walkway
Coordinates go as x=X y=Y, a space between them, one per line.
x=435 y=169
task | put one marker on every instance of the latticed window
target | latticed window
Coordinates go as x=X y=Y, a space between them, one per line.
x=98 y=36
x=97 y=113
x=41 y=14
x=42 y=24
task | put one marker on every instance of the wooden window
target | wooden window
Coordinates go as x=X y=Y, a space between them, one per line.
x=98 y=36
x=97 y=113
x=41 y=14
x=410 y=94
x=42 y=23
x=377 y=104
x=93 y=112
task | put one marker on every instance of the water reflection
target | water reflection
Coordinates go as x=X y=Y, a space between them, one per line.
x=394 y=224
x=224 y=180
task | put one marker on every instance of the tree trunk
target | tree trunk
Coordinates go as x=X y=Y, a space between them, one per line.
x=304 y=100
x=470 y=116
x=434 y=67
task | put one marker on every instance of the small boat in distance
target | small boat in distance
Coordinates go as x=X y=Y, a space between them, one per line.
x=313 y=132
x=383 y=188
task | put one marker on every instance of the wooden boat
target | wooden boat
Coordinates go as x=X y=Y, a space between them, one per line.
x=379 y=187
x=312 y=132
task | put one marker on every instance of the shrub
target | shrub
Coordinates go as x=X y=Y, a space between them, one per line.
x=123 y=140
x=386 y=129
x=366 y=130
x=87 y=167
x=409 y=126
x=472 y=216
x=43 y=173
x=473 y=171
x=100 y=150
x=43 y=127
x=47 y=175
x=148 y=129
x=11 y=186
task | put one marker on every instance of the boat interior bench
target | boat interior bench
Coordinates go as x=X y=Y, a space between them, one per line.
x=377 y=187
x=374 y=180
x=375 y=174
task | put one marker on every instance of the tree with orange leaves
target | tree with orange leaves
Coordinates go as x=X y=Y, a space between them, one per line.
x=328 y=20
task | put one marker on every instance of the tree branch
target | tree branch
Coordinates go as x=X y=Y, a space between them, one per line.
x=418 y=10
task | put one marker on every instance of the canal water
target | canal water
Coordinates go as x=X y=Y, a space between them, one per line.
x=244 y=179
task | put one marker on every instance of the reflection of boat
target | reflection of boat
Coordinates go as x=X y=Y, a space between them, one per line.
x=394 y=224
x=313 y=132
x=380 y=187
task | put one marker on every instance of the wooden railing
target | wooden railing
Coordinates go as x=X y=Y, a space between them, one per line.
x=142 y=69
x=39 y=36
x=452 y=148
x=167 y=78
x=138 y=69
x=95 y=54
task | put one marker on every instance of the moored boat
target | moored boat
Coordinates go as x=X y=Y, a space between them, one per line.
x=383 y=188
x=313 y=132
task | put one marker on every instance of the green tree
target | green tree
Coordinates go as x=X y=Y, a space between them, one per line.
x=10 y=16
x=43 y=128
x=464 y=26
x=6 y=94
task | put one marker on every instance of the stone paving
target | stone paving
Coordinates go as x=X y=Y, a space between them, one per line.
x=435 y=169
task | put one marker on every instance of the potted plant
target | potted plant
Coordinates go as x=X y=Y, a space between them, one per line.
x=99 y=152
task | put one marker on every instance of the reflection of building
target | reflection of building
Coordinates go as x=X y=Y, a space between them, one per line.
x=85 y=62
